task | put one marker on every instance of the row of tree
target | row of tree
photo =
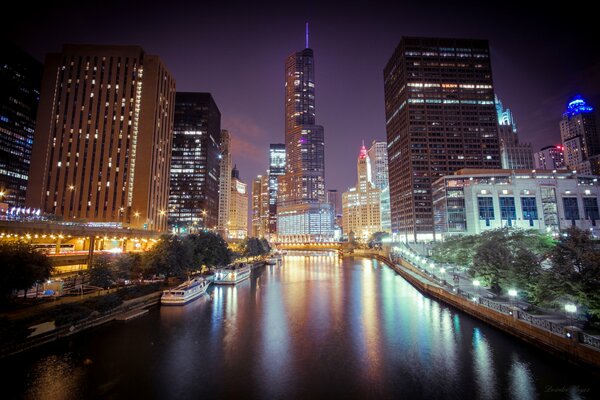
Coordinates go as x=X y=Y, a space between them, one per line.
x=21 y=267
x=546 y=272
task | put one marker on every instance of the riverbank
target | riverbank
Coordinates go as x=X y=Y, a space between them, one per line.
x=567 y=342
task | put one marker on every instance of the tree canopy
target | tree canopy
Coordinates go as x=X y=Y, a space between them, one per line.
x=21 y=266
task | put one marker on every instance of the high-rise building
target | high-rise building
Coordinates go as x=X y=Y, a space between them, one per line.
x=361 y=205
x=20 y=79
x=237 y=226
x=379 y=163
x=276 y=169
x=194 y=196
x=302 y=214
x=580 y=137
x=550 y=157
x=224 y=182
x=334 y=199
x=102 y=148
x=513 y=153
x=440 y=117
x=260 y=206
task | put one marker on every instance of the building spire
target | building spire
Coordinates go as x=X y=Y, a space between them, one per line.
x=307 y=35
x=363 y=151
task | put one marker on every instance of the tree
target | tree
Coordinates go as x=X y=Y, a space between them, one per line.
x=171 y=256
x=376 y=239
x=208 y=249
x=127 y=266
x=21 y=266
x=102 y=272
x=491 y=264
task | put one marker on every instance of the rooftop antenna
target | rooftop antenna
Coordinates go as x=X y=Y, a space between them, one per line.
x=307 y=35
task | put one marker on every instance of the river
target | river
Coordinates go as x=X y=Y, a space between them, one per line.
x=313 y=327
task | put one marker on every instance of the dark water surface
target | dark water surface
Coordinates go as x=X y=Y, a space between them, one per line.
x=314 y=327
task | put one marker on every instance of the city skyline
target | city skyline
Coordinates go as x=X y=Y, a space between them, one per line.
x=207 y=65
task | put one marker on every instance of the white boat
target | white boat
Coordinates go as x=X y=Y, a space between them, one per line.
x=232 y=274
x=273 y=260
x=184 y=293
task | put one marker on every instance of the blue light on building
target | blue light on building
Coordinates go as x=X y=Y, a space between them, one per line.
x=578 y=106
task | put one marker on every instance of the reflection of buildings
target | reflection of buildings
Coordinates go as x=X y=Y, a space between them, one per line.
x=238 y=208
x=102 y=148
x=20 y=77
x=361 y=204
x=260 y=206
x=224 y=182
x=302 y=214
x=379 y=172
x=440 y=117
x=550 y=157
x=476 y=200
x=276 y=169
x=513 y=154
x=580 y=137
x=194 y=195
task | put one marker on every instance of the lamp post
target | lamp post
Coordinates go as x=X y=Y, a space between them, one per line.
x=512 y=293
x=443 y=272
x=137 y=218
x=570 y=309
x=476 y=283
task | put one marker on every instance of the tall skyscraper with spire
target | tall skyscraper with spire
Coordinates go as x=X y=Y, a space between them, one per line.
x=302 y=214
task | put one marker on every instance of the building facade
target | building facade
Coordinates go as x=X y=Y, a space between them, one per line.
x=237 y=226
x=514 y=154
x=195 y=169
x=301 y=208
x=550 y=157
x=580 y=137
x=224 y=182
x=440 y=117
x=379 y=170
x=260 y=206
x=103 y=136
x=20 y=80
x=361 y=205
x=276 y=169
x=473 y=201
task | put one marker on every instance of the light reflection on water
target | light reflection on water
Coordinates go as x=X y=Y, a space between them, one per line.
x=314 y=327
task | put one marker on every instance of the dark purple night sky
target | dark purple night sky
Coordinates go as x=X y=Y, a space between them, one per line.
x=541 y=57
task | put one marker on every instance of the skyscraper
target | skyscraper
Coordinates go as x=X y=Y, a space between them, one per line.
x=224 y=183
x=194 y=196
x=237 y=226
x=513 y=153
x=302 y=213
x=550 y=157
x=20 y=79
x=379 y=170
x=361 y=205
x=260 y=206
x=276 y=169
x=580 y=137
x=440 y=117
x=102 y=148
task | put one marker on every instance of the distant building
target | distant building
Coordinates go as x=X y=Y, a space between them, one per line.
x=260 y=206
x=302 y=213
x=440 y=117
x=513 y=153
x=475 y=200
x=224 y=183
x=550 y=157
x=102 y=148
x=361 y=204
x=20 y=80
x=237 y=226
x=276 y=169
x=379 y=171
x=194 y=195
x=580 y=137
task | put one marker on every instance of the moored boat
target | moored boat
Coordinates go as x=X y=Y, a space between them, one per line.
x=184 y=293
x=232 y=274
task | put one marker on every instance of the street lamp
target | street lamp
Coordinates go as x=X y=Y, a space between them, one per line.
x=570 y=309
x=476 y=283
x=443 y=271
x=512 y=293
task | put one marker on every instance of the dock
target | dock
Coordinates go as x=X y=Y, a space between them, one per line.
x=131 y=315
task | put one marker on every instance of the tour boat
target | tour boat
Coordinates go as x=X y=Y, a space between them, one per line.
x=273 y=260
x=184 y=293
x=232 y=274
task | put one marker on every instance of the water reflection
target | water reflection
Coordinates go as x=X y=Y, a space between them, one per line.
x=485 y=379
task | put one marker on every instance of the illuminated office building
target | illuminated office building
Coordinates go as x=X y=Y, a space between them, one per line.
x=379 y=171
x=276 y=169
x=513 y=153
x=580 y=137
x=195 y=169
x=550 y=157
x=237 y=226
x=440 y=117
x=302 y=213
x=20 y=79
x=103 y=137
x=260 y=206
x=224 y=183
x=361 y=205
